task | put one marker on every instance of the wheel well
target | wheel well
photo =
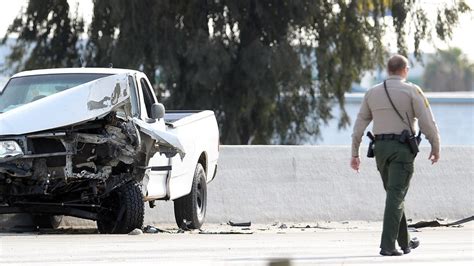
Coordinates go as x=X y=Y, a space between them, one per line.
x=203 y=161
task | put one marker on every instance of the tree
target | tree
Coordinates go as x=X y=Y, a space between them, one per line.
x=47 y=36
x=270 y=69
x=449 y=70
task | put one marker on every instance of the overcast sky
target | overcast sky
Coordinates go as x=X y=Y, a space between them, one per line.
x=463 y=35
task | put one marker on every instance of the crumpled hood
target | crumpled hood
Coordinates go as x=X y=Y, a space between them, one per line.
x=75 y=105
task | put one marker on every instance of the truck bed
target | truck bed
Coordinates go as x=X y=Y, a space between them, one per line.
x=175 y=118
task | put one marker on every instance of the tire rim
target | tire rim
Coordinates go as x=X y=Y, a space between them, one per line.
x=200 y=200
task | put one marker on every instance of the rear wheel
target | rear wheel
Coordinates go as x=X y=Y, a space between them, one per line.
x=122 y=211
x=190 y=210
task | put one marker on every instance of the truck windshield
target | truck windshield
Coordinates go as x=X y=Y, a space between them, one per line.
x=27 y=89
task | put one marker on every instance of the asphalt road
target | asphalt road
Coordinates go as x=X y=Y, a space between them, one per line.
x=326 y=243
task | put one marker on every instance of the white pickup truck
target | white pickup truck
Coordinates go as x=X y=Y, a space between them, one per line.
x=95 y=143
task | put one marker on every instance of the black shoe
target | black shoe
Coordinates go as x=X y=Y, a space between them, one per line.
x=414 y=243
x=394 y=252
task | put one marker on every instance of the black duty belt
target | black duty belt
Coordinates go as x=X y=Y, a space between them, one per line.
x=387 y=137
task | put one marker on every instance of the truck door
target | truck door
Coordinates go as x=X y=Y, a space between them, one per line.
x=158 y=170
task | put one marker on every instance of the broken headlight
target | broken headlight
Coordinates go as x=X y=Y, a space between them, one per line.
x=9 y=148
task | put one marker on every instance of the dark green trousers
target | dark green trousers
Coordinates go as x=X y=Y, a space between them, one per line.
x=395 y=164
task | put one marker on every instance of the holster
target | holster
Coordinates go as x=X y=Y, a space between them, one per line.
x=370 y=150
x=412 y=141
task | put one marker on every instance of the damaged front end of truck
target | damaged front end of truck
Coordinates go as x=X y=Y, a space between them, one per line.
x=79 y=152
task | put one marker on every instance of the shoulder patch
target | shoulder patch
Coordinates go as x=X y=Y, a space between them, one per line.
x=420 y=92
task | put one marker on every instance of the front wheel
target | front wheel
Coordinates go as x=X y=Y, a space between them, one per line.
x=122 y=211
x=190 y=210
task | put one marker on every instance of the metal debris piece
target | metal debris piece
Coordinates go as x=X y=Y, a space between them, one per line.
x=150 y=229
x=422 y=224
x=242 y=224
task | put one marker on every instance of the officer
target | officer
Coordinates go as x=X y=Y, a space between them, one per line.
x=394 y=159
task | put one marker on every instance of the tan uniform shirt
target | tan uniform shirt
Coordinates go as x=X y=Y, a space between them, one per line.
x=408 y=99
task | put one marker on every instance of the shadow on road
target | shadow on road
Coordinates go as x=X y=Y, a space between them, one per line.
x=59 y=231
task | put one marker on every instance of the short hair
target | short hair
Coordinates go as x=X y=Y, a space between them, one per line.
x=396 y=63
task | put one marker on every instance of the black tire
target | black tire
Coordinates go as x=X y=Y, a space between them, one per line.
x=122 y=211
x=190 y=210
x=46 y=221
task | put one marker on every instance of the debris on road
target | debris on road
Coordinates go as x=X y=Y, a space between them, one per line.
x=241 y=224
x=436 y=223
x=317 y=226
x=280 y=225
x=224 y=233
x=150 y=229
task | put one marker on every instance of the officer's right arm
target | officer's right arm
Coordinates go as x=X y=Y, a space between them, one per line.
x=426 y=120
x=363 y=120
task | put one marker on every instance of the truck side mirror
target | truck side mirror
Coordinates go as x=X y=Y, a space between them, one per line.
x=157 y=111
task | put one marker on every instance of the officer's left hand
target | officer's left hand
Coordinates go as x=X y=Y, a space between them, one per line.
x=355 y=163
x=434 y=157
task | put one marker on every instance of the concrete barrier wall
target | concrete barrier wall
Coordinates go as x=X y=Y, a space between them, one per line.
x=315 y=183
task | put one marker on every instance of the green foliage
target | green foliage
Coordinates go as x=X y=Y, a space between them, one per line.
x=47 y=36
x=271 y=70
x=447 y=17
x=449 y=70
